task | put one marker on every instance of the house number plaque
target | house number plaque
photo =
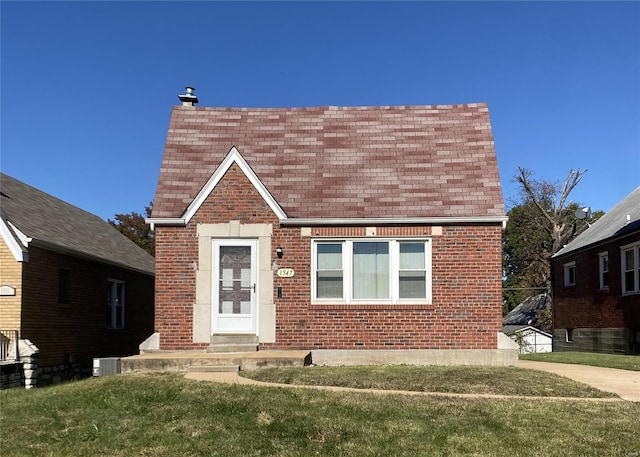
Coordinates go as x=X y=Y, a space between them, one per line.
x=285 y=272
x=8 y=290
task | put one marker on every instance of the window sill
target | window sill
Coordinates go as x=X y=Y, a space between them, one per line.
x=369 y=306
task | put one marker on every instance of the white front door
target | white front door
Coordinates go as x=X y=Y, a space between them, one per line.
x=234 y=294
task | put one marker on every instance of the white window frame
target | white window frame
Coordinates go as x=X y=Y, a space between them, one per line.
x=113 y=307
x=603 y=268
x=568 y=267
x=394 y=271
x=635 y=249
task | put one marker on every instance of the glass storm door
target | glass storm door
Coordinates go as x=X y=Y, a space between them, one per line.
x=234 y=286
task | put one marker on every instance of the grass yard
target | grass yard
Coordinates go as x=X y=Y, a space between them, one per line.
x=162 y=415
x=442 y=379
x=623 y=362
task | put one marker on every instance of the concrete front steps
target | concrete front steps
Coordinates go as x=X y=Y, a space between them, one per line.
x=213 y=369
x=233 y=343
x=213 y=362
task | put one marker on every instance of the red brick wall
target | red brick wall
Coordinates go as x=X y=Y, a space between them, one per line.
x=465 y=313
x=466 y=284
x=79 y=328
x=584 y=305
x=176 y=257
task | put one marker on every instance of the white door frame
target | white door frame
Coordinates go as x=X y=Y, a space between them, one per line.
x=238 y=321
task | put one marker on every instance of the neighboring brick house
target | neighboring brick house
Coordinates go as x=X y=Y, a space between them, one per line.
x=596 y=284
x=71 y=283
x=346 y=231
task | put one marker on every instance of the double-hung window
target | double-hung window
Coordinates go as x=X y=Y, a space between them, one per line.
x=115 y=304
x=372 y=271
x=631 y=269
x=570 y=274
x=603 y=270
x=329 y=270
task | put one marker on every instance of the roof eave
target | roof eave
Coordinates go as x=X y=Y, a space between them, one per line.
x=166 y=221
x=396 y=220
x=84 y=255
x=564 y=251
x=181 y=222
x=15 y=240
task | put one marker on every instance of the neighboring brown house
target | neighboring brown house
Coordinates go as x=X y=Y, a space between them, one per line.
x=71 y=283
x=351 y=232
x=596 y=284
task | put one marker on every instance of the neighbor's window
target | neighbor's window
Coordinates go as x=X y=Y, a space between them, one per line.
x=603 y=270
x=569 y=335
x=373 y=271
x=64 y=281
x=631 y=269
x=115 y=304
x=570 y=274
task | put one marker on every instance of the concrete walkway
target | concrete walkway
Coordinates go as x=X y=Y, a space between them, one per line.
x=624 y=383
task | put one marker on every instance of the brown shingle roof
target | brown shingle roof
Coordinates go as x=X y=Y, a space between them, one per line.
x=341 y=162
x=54 y=224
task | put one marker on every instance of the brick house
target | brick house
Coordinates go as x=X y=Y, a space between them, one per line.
x=356 y=233
x=596 y=284
x=70 y=283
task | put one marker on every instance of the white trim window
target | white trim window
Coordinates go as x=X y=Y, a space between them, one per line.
x=603 y=270
x=115 y=304
x=371 y=270
x=570 y=274
x=630 y=269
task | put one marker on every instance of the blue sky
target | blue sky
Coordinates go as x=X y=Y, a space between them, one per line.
x=87 y=87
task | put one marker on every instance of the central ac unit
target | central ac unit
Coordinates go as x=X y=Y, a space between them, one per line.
x=106 y=366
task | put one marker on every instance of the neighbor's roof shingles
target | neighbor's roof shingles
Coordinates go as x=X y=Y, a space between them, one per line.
x=54 y=224
x=622 y=219
x=341 y=162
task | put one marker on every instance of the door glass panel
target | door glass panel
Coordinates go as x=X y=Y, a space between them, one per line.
x=235 y=280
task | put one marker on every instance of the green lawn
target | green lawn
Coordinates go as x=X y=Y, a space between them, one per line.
x=443 y=379
x=623 y=362
x=164 y=415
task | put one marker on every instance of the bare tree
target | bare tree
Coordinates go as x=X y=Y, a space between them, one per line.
x=553 y=210
x=555 y=218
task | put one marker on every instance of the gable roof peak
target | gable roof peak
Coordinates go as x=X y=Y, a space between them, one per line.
x=233 y=157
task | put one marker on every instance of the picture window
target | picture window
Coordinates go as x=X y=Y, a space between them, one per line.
x=372 y=271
